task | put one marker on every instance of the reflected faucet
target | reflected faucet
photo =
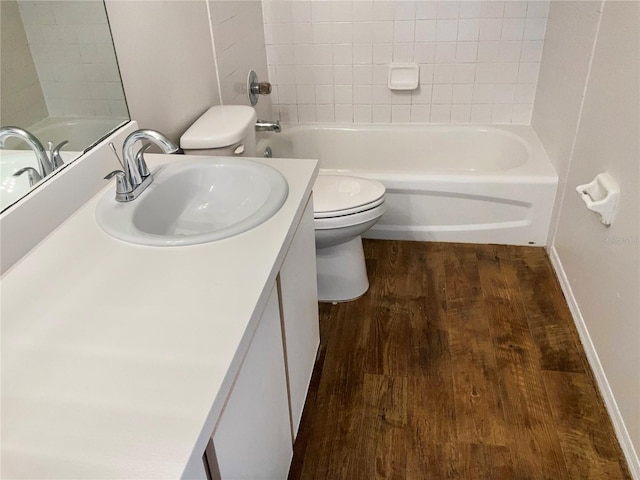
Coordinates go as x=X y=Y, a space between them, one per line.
x=44 y=164
x=32 y=173
x=135 y=177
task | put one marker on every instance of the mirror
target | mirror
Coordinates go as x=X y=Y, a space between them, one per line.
x=59 y=80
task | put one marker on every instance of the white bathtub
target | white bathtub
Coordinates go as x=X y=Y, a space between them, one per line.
x=444 y=183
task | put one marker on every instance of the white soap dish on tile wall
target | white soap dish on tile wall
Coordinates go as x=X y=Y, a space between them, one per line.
x=404 y=76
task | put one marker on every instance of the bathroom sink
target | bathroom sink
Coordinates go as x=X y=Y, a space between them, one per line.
x=196 y=201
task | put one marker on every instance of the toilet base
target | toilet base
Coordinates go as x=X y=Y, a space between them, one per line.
x=342 y=273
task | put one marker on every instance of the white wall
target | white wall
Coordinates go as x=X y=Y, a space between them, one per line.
x=239 y=45
x=166 y=61
x=21 y=99
x=178 y=58
x=566 y=59
x=479 y=59
x=73 y=53
x=599 y=266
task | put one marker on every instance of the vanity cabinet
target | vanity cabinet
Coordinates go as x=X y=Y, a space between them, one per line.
x=253 y=438
x=255 y=434
x=299 y=306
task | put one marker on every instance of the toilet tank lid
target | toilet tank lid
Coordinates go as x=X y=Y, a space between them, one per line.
x=220 y=126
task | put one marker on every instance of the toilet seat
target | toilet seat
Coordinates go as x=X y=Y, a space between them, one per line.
x=342 y=221
x=341 y=195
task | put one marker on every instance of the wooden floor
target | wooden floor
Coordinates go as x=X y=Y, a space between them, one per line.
x=460 y=362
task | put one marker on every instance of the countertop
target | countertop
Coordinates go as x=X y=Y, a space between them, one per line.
x=117 y=358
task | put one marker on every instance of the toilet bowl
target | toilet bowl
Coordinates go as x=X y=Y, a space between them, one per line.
x=345 y=207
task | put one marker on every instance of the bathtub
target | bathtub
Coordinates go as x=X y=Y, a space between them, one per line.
x=470 y=184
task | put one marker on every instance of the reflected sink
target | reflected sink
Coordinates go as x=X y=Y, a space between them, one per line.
x=196 y=201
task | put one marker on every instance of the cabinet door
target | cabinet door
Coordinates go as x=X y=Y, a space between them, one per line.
x=253 y=438
x=299 y=303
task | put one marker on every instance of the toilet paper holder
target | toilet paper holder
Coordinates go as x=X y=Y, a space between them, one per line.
x=601 y=196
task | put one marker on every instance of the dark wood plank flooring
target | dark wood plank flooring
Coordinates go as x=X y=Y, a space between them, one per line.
x=460 y=362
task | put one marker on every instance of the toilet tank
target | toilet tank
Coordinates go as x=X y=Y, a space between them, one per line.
x=223 y=130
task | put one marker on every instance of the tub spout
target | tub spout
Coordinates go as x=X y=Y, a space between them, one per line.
x=264 y=126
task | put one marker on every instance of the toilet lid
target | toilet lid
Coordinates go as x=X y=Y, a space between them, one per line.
x=335 y=195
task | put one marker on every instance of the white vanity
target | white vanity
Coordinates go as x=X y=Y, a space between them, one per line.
x=128 y=361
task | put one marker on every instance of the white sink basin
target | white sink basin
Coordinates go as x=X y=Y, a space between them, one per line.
x=196 y=201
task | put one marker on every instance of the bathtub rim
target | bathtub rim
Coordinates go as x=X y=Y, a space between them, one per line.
x=537 y=168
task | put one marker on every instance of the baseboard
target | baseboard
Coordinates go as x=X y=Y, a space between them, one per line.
x=594 y=361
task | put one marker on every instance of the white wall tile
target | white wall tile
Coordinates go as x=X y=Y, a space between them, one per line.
x=382 y=113
x=343 y=94
x=400 y=113
x=362 y=94
x=515 y=9
x=501 y=113
x=383 y=10
x=362 y=113
x=425 y=52
x=534 y=28
x=344 y=113
x=420 y=113
x=324 y=94
x=426 y=10
x=513 y=28
x=470 y=9
x=460 y=113
x=426 y=31
x=422 y=95
x=446 y=30
x=404 y=31
x=403 y=52
x=301 y=11
x=492 y=9
x=440 y=113
x=468 y=30
x=320 y=11
x=480 y=113
x=342 y=11
x=401 y=97
x=490 y=29
x=477 y=58
x=363 y=11
x=325 y=113
x=464 y=73
x=448 y=9
x=382 y=32
x=462 y=94
x=306 y=113
x=441 y=94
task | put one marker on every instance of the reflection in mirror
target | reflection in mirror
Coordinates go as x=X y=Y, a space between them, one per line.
x=59 y=81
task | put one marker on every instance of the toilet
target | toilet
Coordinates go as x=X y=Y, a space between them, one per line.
x=344 y=206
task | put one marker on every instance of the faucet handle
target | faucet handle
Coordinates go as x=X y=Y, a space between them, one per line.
x=122 y=185
x=141 y=163
x=56 y=158
x=33 y=175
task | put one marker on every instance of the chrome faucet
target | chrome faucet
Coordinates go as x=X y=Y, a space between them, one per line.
x=44 y=164
x=135 y=177
x=264 y=126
